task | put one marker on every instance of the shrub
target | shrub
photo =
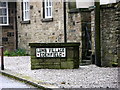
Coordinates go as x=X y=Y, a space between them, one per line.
x=18 y=52
x=6 y=53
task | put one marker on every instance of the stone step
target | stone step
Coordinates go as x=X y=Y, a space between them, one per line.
x=88 y=57
x=86 y=62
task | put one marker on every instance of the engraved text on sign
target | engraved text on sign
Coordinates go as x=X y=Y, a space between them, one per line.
x=50 y=52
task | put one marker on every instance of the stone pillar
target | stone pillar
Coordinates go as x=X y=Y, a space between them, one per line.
x=93 y=35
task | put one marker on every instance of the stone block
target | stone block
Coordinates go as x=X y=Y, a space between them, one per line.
x=68 y=65
x=32 y=51
x=37 y=67
x=35 y=64
x=54 y=67
x=37 y=60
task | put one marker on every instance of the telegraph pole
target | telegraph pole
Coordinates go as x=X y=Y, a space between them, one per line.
x=97 y=34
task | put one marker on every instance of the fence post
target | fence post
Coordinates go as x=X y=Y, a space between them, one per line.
x=2 y=59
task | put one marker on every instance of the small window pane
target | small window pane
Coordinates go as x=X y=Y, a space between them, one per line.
x=1 y=20
x=2 y=4
x=5 y=20
x=0 y=11
x=3 y=13
x=50 y=3
x=49 y=11
x=46 y=2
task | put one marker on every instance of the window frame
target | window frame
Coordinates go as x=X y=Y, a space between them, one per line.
x=26 y=10
x=48 y=9
x=7 y=15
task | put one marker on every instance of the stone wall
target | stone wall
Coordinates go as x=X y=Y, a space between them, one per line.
x=55 y=61
x=74 y=33
x=109 y=36
x=93 y=31
x=76 y=19
x=9 y=32
x=118 y=31
x=39 y=31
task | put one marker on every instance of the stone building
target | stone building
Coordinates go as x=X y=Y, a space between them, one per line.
x=40 y=26
x=45 y=22
x=8 y=25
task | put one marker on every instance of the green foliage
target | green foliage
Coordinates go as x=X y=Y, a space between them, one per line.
x=18 y=52
x=6 y=53
x=114 y=64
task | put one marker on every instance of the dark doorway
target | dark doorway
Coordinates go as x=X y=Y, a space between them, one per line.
x=86 y=43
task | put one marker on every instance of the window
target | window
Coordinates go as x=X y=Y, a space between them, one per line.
x=47 y=9
x=26 y=10
x=3 y=13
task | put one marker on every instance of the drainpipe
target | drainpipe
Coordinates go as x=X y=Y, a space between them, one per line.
x=97 y=34
x=64 y=14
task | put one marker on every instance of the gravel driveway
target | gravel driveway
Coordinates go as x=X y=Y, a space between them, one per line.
x=89 y=76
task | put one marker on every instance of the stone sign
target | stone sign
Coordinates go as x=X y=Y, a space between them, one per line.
x=54 y=55
x=50 y=52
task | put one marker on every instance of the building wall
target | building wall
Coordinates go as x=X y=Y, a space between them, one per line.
x=109 y=23
x=9 y=31
x=109 y=36
x=118 y=32
x=76 y=19
x=38 y=31
x=74 y=33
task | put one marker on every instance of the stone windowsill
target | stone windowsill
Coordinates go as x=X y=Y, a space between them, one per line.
x=47 y=19
x=25 y=22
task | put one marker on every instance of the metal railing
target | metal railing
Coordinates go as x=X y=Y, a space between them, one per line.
x=2 y=59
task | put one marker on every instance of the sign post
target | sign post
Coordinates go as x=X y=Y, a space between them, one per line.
x=2 y=60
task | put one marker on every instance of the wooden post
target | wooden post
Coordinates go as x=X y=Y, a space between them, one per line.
x=2 y=59
x=97 y=34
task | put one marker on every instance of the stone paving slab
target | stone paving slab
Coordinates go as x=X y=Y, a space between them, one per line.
x=89 y=76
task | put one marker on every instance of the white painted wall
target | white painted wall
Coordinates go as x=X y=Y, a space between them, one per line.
x=107 y=1
x=88 y=3
x=84 y=3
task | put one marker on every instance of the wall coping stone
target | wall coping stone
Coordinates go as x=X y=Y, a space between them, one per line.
x=108 y=6
x=77 y=10
x=54 y=44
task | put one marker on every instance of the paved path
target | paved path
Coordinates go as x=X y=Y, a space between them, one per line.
x=89 y=76
x=6 y=82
